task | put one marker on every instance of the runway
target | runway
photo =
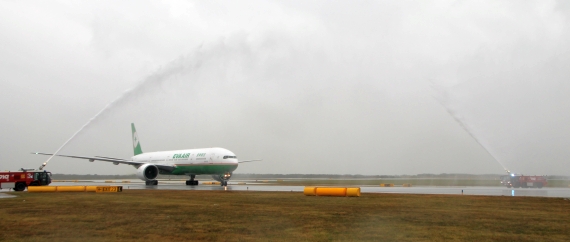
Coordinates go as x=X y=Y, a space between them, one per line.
x=3 y=195
x=266 y=186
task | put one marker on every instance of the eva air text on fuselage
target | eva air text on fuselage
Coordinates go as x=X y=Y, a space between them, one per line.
x=186 y=155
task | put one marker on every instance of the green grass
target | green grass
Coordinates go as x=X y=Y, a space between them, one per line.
x=397 y=182
x=558 y=183
x=162 y=215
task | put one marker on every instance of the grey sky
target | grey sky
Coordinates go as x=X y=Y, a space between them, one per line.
x=311 y=87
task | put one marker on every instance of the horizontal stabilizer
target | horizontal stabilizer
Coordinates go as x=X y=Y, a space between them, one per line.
x=243 y=161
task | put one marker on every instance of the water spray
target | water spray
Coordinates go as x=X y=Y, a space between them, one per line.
x=461 y=122
x=467 y=128
x=78 y=131
x=173 y=68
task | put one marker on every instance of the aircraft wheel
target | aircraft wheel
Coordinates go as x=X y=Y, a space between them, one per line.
x=20 y=186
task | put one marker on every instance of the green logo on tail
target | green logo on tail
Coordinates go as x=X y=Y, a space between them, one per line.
x=136 y=143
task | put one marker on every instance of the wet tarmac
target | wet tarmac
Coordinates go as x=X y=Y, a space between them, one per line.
x=237 y=185
x=4 y=195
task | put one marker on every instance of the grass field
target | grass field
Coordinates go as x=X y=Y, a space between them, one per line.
x=163 y=215
x=399 y=182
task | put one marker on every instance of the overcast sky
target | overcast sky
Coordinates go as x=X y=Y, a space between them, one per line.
x=322 y=87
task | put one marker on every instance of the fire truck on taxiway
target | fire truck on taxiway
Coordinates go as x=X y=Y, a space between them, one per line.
x=516 y=181
x=19 y=180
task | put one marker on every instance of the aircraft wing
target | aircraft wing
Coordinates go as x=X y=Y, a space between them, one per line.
x=243 y=161
x=115 y=161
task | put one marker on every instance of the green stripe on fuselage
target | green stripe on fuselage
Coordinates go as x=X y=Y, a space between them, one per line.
x=198 y=169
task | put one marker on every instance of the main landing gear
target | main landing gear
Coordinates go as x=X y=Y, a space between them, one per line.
x=224 y=183
x=192 y=182
x=151 y=183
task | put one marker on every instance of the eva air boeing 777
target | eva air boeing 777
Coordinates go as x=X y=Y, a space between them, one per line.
x=218 y=162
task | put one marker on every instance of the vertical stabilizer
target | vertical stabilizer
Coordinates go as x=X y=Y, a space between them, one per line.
x=136 y=143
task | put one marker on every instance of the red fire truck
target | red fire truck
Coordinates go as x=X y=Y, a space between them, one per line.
x=517 y=181
x=19 y=180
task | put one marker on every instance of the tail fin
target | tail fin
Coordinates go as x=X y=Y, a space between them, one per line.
x=136 y=144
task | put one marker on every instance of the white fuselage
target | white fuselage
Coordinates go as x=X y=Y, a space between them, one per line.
x=193 y=161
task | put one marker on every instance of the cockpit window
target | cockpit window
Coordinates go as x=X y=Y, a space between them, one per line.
x=230 y=157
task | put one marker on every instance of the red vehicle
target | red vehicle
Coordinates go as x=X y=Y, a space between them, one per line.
x=517 y=181
x=19 y=180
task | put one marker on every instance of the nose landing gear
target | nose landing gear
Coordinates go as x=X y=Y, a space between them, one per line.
x=223 y=178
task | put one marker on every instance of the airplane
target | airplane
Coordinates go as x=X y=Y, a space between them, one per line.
x=218 y=162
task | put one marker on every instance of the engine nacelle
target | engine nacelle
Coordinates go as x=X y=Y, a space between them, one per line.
x=222 y=177
x=147 y=172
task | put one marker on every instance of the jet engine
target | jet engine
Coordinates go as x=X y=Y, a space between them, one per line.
x=222 y=177
x=147 y=172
